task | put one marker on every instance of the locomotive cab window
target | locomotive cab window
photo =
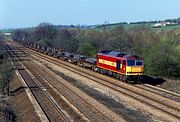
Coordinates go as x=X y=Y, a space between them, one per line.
x=139 y=62
x=131 y=62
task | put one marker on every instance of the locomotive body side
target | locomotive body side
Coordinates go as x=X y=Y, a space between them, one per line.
x=110 y=63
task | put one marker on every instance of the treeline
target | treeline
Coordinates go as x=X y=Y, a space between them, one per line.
x=161 y=50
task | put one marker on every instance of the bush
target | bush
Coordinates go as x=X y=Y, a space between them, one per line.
x=177 y=59
x=5 y=70
x=160 y=60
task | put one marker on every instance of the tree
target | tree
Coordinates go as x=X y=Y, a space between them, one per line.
x=101 y=39
x=19 y=35
x=160 y=60
x=178 y=20
x=87 y=43
x=45 y=33
x=66 y=39
x=177 y=59
x=118 y=39
x=1 y=36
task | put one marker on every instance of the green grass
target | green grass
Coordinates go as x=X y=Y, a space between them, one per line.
x=129 y=26
x=126 y=26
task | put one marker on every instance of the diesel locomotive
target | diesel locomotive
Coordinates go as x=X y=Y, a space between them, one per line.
x=121 y=65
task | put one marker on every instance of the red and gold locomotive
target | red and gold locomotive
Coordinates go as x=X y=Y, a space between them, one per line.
x=119 y=64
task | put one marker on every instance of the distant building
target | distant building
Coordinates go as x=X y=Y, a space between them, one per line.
x=160 y=24
x=7 y=34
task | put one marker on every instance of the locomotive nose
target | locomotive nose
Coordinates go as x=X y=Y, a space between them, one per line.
x=134 y=70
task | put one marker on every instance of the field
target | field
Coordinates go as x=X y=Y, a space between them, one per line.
x=148 y=25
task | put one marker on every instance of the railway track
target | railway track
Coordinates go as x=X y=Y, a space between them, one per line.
x=160 y=91
x=89 y=111
x=149 y=97
x=48 y=106
x=79 y=102
x=160 y=99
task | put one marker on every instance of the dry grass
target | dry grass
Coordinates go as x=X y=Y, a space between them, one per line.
x=23 y=107
x=2 y=111
x=172 y=85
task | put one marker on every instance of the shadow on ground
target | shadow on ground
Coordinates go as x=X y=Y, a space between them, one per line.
x=17 y=91
x=152 y=81
x=21 y=89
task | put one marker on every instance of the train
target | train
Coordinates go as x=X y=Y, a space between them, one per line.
x=123 y=66
x=120 y=65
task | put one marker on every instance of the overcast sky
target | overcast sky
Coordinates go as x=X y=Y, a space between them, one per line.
x=28 y=13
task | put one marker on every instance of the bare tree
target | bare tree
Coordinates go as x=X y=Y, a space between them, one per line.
x=45 y=33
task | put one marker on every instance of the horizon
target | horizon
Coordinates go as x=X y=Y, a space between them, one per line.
x=82 y=24
x=25 y=14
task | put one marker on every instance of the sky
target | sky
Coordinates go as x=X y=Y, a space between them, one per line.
x=29 y=13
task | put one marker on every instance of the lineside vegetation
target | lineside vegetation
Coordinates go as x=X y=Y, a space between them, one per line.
x=160 y=49
x=5 y=69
